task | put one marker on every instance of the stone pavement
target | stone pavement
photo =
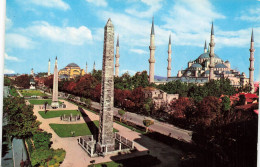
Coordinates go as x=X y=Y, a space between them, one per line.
x=75 y=155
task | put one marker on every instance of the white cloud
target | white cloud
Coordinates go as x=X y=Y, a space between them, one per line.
x=98 y=2
x=70 y=35
x=135 y=31
x=11 y=57
x=8 y=71
x=8 y=23
x=59 y=4
x=139 y=51
x=252 y=15
x=154 y=6
x=14 y=40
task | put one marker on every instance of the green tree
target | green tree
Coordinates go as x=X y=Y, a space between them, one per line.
x=140 y=79
x=147 y=123
x=42 y=140
x=88 y=103
x=97 y=74
x=225 y=103
x=7 y=81
x=148 y=106
x=21 y=121
x=40 y=157
x=121 y=113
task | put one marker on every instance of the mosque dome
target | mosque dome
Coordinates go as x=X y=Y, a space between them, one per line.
x=206 y=55
x=196 y=65
x=220 y=66
x=72 y=65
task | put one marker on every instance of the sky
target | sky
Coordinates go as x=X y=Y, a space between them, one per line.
x=39 y=30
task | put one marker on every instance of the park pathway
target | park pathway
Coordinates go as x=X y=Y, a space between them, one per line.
x=75 y=155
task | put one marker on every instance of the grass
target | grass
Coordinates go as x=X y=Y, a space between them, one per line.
x=13 y=92
x=130 y=127
x=64 y=130
x=118 y=122
x=32 y=92
x=144 y=161
x=39 y=102
x=58 y=113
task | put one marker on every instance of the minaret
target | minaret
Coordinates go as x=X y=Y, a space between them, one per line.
x=251 y=59
x=205 y=47
x=55 y=103
x=152 y=50
x=117 y=58
x=86 y=67
x=106 y=140
x=211 y=54
x=94 y=67
x=49 y=68
x=169 y=58
x=32 y=73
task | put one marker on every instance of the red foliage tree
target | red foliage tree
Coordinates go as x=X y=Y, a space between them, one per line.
x=208 y=110
x=178 y=108
x=49 y=81
x=23 y=81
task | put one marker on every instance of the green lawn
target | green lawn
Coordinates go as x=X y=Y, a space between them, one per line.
x=144 y=161
x=32 y=92
x=13 y=92
x=58 y=113
x=64 y=130
x=39 y=102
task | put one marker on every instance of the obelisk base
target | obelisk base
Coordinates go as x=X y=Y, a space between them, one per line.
x=105 y=148
x=55 y=104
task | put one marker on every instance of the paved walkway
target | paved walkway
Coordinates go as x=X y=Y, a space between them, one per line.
x=75 y=155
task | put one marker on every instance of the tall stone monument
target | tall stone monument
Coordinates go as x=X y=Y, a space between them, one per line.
x=55 y=103
x=106 y=141
x=211 y=54
x=169 y=68
x=49 y=68
x=117 y=58
x=251 y=68
x=152 y=51
x=86 y=67
x=32 y=73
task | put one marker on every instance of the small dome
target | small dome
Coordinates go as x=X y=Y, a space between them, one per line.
x=206 y=55
x=220 y=66
x=227 y=61
x=196 y=65
x=206 y=72
x=72 y=65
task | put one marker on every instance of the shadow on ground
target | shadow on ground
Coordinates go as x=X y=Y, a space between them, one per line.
x=92 y=127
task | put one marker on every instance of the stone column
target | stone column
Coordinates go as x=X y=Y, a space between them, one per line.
x=49 y=68
x=251 y=68
x=106 y=135
x=211 y=54
x=86 y=67
x=169 y=58
x=152 y=51
x=32 y=73
x=117 y=58
x=55 y=103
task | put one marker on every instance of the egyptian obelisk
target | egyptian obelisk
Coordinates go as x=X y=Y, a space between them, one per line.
x=54 y=103
x=105 y=137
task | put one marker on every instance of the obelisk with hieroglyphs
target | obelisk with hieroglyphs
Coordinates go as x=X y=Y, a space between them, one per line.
x=54 y=103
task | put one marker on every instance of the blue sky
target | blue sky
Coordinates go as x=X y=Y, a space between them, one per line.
x=38 y=30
